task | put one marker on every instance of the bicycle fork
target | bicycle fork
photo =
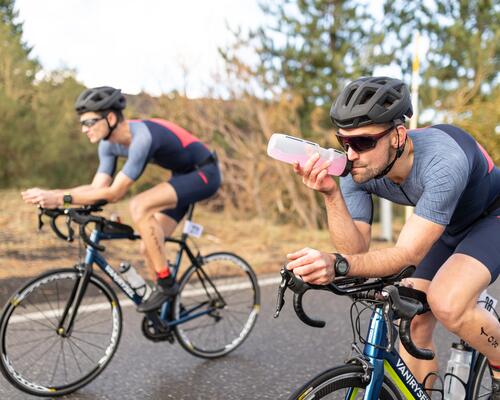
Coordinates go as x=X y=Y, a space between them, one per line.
x=68 y=316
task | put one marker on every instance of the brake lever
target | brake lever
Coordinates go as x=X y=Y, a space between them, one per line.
x=40 y=220
x=280 y=301
x=71 y=231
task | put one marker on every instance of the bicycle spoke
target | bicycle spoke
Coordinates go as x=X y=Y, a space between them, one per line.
x=64 y=362
x=36 y=321
x=97 y=323
x=31 y=341
x=194 y=328
x=57 y=294
x=49 y=303
x=91 y=332
x=87 y=305
x=40 y=358
x=26 y=352
x=56 y=364
x=78 y=347
x=30 y=330
x=86 y=342
x=74 y=356
x=41 y=312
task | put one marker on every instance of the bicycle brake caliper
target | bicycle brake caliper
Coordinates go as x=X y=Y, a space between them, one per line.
x=285 y=279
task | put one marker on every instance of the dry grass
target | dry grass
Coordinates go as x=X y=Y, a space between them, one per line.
x=26 y=252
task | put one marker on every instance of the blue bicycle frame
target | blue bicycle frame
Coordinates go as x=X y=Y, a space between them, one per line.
x=93 y=256
x=389 y=362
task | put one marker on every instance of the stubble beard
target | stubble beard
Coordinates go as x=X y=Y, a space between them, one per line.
x=368 y=173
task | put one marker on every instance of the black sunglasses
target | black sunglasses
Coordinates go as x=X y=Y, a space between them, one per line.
x=361 y=143
x=90 y=122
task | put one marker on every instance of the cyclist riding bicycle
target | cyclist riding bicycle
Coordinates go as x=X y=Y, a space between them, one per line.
x=157 y=211
x=453 y=236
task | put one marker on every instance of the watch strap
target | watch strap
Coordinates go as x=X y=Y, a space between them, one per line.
x=67 y=200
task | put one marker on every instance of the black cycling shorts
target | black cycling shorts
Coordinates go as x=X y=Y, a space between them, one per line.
x=481 y=241
x=192 y=187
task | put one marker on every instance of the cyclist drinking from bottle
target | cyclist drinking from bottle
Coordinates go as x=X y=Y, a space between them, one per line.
x=453 y=236
x=157 y=211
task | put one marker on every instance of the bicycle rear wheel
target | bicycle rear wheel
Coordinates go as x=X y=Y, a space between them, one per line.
x=219 y=302
x=39 y=359
x=343 y=382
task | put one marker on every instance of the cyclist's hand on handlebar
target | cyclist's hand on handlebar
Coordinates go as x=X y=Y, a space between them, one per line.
x=312 y=266
x=314 y=175
x=44 y=198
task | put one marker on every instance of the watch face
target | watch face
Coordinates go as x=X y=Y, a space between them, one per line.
x=342 y=267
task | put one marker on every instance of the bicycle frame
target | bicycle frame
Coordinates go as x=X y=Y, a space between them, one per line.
x=93 y=256
x=390 y=362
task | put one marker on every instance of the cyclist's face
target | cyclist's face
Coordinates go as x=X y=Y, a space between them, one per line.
x=94 y=126
x=369 y=163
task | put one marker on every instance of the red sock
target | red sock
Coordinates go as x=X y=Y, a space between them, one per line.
x=165 y=273
x=495 y=368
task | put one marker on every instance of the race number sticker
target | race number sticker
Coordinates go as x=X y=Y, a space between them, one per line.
x=488 y=301
x=193 y=229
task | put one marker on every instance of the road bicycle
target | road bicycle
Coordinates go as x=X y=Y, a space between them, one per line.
x=377 y=371
x=62 y=328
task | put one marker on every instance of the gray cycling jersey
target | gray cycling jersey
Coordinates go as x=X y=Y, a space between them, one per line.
x=156 y=141
x=452 y=181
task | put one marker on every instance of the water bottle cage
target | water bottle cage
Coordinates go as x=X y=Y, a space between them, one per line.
x=464 y=384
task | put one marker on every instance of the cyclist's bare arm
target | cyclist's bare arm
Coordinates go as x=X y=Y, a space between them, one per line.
x=111 y=193
x=348 y=236
x=414 y=242
x=100 y=180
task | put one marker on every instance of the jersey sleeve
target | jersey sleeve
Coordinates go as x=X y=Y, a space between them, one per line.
x=444 y=183
x=138 y=153
x=107 y=160
x=358 y=200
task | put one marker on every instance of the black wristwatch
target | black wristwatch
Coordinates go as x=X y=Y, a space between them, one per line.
x=340 y=265
x=67 y=200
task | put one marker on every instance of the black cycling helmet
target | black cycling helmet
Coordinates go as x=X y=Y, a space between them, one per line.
x=374 y=100
x=100 y=99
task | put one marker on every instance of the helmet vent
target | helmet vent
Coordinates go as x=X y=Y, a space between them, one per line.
x=348 y=99
x=367 y=95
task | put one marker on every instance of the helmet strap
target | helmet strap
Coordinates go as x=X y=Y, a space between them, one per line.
x=110 y=128
x=399 y=153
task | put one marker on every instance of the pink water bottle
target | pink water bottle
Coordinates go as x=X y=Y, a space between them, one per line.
x=290 y=149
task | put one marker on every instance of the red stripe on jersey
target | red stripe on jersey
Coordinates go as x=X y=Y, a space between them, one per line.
x=488 y=158
x=184 y=136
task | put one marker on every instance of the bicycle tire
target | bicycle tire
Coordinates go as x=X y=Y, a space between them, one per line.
x=237 y=284
x=35 y=365
x=336 y=382
x=481 y=379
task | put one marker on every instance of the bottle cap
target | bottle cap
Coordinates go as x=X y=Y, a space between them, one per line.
x=124 y=267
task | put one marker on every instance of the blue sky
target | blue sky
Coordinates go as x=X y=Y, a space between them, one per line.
x=151 y=45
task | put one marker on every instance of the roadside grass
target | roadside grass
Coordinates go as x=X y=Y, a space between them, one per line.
x=25 y=252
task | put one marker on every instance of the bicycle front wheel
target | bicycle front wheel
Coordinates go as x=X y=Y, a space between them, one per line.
x=40 y=359
x=217 y=305
x=344 y=382
x=481 y=379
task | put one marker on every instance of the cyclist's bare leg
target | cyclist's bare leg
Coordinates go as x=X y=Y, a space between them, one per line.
x=422 y=328
x=143 y=208
x=168 y=225
x=453 y=297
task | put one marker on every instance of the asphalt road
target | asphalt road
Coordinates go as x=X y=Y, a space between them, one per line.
x=279 y=355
